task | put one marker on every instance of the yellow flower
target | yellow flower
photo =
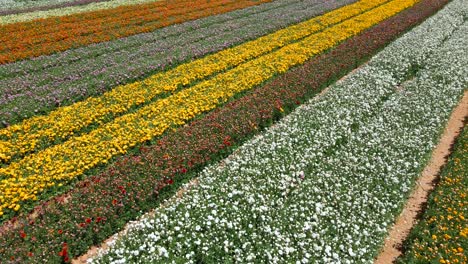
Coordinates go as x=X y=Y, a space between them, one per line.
x=464 y=232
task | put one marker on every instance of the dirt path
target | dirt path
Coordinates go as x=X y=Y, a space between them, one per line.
x=425 y=184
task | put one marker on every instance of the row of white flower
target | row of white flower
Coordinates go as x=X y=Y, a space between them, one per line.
x=20 y=4
x=7 y=2
x=22 y=17
x=325 y=183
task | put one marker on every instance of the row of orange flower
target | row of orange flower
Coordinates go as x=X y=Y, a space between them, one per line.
x=47 y=36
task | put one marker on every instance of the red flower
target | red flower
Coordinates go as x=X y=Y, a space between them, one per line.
x=226 y=141
x=114 y=202
x=170 y=181
x=122 y=189
x=88 y=220
x=30 y=254
x=22 y=234
x=60 y=231
x=183 y=170
x=99 y=219
x=64 y=251
x=82 y=224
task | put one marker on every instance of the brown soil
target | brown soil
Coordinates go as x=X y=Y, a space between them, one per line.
x=425 y=184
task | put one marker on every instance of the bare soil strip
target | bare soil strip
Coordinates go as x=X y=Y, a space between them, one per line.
x=425 y=184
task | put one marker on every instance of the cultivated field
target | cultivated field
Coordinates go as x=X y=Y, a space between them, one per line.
x=248 y=131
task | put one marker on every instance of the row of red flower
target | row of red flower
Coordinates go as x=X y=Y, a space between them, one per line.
x=99 y=206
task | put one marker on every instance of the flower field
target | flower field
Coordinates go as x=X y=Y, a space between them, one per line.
x=64 y=78
x=110 y=107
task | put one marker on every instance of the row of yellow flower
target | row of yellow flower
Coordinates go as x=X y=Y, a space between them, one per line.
x=39 y=132
x=35 y=173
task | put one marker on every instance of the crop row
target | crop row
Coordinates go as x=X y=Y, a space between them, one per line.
x=26 y=179
x=442 y=234
x=47 y=36
x=38 y=132
x=37 y=86
x=96 y=15
x=30 y=10
x=11 y=4
x=136 y=183
x=324 y=184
